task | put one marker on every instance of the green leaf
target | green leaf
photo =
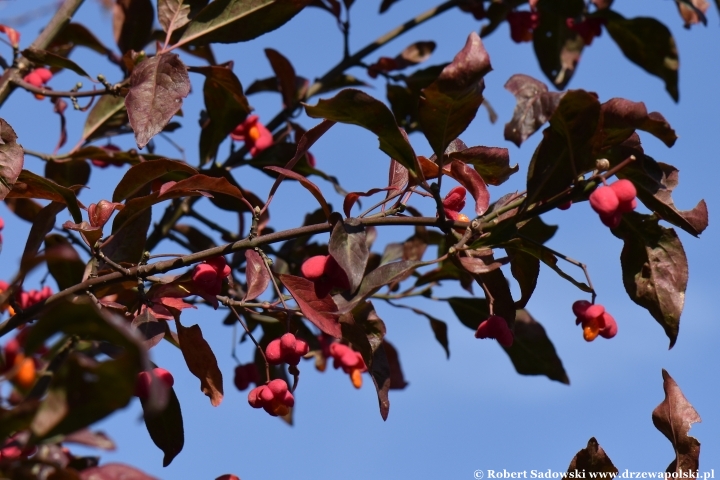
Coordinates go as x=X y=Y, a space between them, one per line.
x=157 y=88
x=232 y=21
x=647 y=43
x=655 y=269
x=348 y=246
x=43 y=57
x=166 y=427
x=451 y=102
x=226 y=107
x=108 y=113
x=175 y=14
x=12 y=158
x=358 y=108
x=532 y=352
x=566 y=148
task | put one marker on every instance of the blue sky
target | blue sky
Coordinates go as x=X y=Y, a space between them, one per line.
x=471 y=411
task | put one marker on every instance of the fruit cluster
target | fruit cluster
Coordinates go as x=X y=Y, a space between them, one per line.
x=610 y=202
x=38 y=78
x=595 y=320
x=286 y=349
x=497 y=328
x=25 y=299
x=325 y=273
x=522 y=24
x=349 y=360
x=208 y=276
x=275 y=398
x=144 y=380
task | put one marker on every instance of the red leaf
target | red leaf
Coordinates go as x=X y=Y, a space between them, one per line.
x=11 y=158
x=201 y=361
x=473 y=182
x=352 y=197
x=143 y=173
x=114 y=471
x=310 y=186
x=322 y=312
x=256 y=274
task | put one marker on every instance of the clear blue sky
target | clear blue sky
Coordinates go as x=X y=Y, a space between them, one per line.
x=472 y=411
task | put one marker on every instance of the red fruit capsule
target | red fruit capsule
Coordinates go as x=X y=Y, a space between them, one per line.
x=610 y=329
x=273 y=352
x=625 y=190
x=314 y=267
x=278 y=387
x=604 y=201
x=580 y=307
x=287 y=344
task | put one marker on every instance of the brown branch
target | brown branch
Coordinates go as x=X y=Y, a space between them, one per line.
x=144 y=271
x=61 y=18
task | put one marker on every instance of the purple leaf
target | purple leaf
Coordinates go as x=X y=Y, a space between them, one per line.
x=534 y=107
x=11 y=158
x=322 y=312
x=451 y=102
x=674 y=417
x=157 y=88
x=654 y=268
x=256 y=274
x=622 y=117
x=349 y=248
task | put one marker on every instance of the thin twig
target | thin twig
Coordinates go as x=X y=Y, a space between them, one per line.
x=249 y=334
